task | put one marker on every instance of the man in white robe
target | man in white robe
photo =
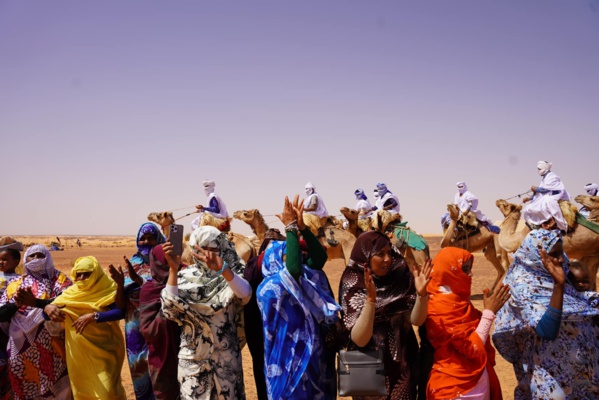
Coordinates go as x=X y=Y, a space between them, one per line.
x=591 y=189
x=386 y=200
x=216 y=206
x=363 y=206
x=543 y=205
x=467 y=202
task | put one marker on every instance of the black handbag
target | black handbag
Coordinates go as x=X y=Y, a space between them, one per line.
x=361 y=372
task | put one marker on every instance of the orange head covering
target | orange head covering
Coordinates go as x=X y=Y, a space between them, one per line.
x=460 y=354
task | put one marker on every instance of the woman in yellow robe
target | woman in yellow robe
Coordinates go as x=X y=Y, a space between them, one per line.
x=95 y=350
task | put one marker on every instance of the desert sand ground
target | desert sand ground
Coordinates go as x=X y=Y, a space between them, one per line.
x=111 y=249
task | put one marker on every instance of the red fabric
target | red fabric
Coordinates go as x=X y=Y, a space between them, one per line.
x=460 y=355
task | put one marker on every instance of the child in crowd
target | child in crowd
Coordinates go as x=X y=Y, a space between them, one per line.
x=579 y=276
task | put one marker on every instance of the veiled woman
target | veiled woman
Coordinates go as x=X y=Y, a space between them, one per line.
x=36 y=359
x=380 y=300
x=138 y=272
x=163 y=336
x=206 y=300
x=547 y=329
x=464 y=357
x=95 y=350
x=298 y=310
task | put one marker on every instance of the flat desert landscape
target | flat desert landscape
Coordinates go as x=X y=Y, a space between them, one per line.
x=111 y=249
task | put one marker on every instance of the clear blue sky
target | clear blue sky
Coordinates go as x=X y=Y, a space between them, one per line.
x=112 y=109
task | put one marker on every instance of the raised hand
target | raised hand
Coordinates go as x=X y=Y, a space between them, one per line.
x=370 y=286
x=54 y=313
x=298 y=208
x=25 y=297
x=132 y=272
x=117 y=275
x=495 y=301
x=554 y=267
x=422 y=277
x=211 y=258
x=288 y=215
x=82 y=322
x=173 y=261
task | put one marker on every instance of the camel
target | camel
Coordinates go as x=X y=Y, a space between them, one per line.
x=482 y=240
x=345 y=240
x=591 y=203
x=243 y=245
x=390 y=223
x=355 y=225
x=580 y=243
x=255 y=220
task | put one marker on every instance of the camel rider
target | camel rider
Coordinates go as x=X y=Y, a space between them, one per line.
x=315 y=212
x=592 y=189
x=386 y=200
x=363 y=207
x=216 y=207
x=467 y=202
x=543 y=205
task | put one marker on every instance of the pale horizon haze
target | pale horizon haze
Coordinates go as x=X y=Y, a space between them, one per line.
x=110 y=110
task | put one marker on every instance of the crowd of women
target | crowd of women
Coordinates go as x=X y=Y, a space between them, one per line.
x=185 y=325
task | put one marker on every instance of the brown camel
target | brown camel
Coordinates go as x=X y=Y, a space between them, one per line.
x=482 y=240
x=592 y=204
x=580 y=243
x=345 y=240
x=386 y=222
x=243 y=245
x=255 y=220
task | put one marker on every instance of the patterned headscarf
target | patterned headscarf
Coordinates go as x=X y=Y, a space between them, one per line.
x=531 y=288
x=200 y=284
x=143 y=251
x=39 y=268
x=294 y=346
x=44 y=280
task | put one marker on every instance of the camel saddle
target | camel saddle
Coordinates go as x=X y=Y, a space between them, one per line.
x=569 y=211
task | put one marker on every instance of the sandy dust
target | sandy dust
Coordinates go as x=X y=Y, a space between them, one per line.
x=111 y=249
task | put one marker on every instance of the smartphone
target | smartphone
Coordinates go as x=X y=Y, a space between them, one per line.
x=176 y=238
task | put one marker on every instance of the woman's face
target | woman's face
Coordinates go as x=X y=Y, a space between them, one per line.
x=147 y=239
x=467 y=266
x=32 y=256
x=83 y=275
x=557 y=251
x=7 y=263
x=380 y=262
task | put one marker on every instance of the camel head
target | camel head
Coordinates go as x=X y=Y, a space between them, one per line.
x=454 y=212
x=247 y=216
x=590 y=202
x=349 y=213
x=507 y=208
x=163 y=219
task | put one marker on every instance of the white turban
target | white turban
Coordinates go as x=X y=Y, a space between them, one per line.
x=208 y=186
x=462 y=188
x=591 y=189
x=543 y=167
x=310 y=188
x=375 y=194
